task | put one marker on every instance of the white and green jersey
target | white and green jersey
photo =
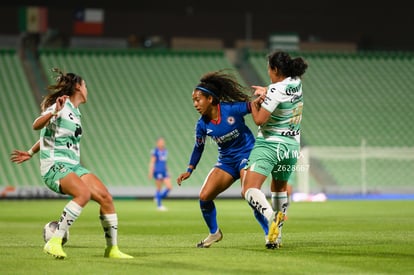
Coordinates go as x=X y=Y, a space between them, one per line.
x=284 y=101
x=60 y=139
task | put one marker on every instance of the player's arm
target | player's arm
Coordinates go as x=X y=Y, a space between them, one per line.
x=194 y=159
x=260 y=115
x=44 y=119
x=151 y=166
x=19 y=156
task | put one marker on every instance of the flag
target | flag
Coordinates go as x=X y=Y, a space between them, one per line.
x=33 y=19
x=88 y=22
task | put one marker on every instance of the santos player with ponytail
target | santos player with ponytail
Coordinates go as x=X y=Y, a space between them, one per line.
x=278 y=113
x=59 y=144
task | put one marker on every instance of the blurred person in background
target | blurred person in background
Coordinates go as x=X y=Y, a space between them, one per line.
x=159 y=172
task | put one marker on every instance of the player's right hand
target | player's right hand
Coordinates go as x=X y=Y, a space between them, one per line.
x=18 y=156
x=182 y=177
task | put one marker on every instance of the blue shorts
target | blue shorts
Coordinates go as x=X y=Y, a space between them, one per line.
x=160 y=175
x=59 y=171
x=233 y=168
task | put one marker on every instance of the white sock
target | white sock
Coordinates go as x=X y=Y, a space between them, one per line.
x=257 y=199
x=280 y=201
x=110 y=226
x=70 y=213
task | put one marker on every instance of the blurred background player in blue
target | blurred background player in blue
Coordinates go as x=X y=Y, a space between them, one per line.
x=159 y=172
x=222 y=104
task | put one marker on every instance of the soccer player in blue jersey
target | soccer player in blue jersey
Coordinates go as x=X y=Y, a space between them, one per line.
x=278 y=113
x=159 y=172
x=222 y=104
x=59 y=144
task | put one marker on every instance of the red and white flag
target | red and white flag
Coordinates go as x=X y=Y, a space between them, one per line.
x=88 y=22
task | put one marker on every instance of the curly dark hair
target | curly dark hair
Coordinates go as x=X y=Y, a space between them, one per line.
x=65 y=85
x=222 y=86
x=290 y=67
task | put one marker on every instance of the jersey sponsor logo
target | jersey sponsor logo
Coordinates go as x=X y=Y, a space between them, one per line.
x=290 y=133
x=291 y=90
x=231 y=120
x=295 y=98
x=58 y=168
x=227 y=137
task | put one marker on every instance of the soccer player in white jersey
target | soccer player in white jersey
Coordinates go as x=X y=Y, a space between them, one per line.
x=278 y=113
x=59 y=145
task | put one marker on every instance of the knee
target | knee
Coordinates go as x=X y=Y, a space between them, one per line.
x=82 y=197
x=106 y=198
x=103 y=197
x=205 y=196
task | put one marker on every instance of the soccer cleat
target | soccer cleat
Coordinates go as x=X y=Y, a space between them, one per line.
x=270 y=245
x=211 y=238
x=277 y=244
x=162 y=208
x=275 y=224
x=114 y=253
x=54 y=248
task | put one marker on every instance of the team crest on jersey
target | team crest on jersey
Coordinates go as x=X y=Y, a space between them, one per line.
x=231 y=120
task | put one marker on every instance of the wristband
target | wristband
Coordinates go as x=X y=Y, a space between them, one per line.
x=189 y=170
x=54 y=113
x=30 y=152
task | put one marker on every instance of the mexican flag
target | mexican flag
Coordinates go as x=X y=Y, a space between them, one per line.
x=33 y=19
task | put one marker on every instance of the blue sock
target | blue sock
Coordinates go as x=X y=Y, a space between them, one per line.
x=164 y=193
x=262 y=221
x=208 y=209
x=158 y=197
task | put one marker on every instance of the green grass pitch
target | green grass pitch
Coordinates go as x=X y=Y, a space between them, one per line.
x=333 y=237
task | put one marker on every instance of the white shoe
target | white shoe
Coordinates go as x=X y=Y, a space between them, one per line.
x=211 y=238
x=162 y=208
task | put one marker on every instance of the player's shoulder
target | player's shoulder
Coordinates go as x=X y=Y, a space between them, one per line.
x=232 y=104
x=229 y=106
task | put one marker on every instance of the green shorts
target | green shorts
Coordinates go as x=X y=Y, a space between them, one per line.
x=60 y=170
x=278 y=159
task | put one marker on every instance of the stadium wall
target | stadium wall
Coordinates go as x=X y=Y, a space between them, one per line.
x=370 y=26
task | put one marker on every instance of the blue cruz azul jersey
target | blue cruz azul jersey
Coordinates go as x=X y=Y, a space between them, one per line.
x=232 y=136
x=160 y=164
